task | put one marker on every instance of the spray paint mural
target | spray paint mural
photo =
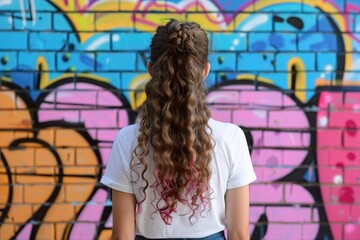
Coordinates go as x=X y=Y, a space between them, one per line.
x=72 y=74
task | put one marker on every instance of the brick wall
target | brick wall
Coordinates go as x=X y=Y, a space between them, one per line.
x=72 y=74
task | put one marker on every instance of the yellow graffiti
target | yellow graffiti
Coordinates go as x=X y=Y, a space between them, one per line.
x=300 y=78
x=253 y=77
x=137 y=93
x=141 y=15
x=322 y=82
x=44 y=80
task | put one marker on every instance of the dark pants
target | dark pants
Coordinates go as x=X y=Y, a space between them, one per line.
x=215 y=236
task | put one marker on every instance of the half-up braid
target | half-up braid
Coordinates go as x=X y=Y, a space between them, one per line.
x=174 y=121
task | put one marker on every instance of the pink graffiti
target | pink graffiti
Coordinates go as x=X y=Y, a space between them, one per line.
x=80 y=8
x=228 y=18
x=351 y=8
x=146 y=6
x=97 y=108
x=85 y=226
x=102 y=113
x=25 y=233
x=278 y=150
x=338 y=157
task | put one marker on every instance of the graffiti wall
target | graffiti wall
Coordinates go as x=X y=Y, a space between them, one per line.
x=72 y=74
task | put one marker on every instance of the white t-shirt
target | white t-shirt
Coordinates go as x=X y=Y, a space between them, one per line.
x=231 y=168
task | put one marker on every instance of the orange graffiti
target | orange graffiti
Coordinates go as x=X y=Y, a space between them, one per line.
x=46 y=172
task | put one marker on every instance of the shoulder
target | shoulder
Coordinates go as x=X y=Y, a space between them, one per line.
x=225 y=130
x=127 y=134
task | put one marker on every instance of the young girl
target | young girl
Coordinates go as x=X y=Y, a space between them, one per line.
x=179 y=173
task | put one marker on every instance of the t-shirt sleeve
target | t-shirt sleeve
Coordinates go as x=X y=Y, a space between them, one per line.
x=241 y=168
x=117 y=173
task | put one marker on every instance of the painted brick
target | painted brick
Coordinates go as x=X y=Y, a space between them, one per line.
x=245 y=62
x=61 y=136
x=61 y=22
x=13 y=40
x=76 y=192
x=261 y=22
x=20 y=156
x=343 y=119
x=116 y=61
x=38 y=193
x=298 y=214
x=89 y=25
x=275 y=193
x=146 y=22
x=83 y=155
x=351 y=177
x=351 y=230
x=131 y=41
x=41 y=21
x=326 y=63
x=18 y=193
x=46 y=230
x=76 y=62
x=229 y=41
x=324 y=22
x=329 y=138
x=7 y=230
x=6 y=21
x=40 y=175
x=223 y=61
x=67 y=156
x=60 y=213
x=272 y=139
x=349 y=157
x=296 y=194
x=14 y=6
x=80 y=171
x=123 y=20
x=318 y=42
x=285 y=119
x=225 y=5
x=47 y=40
x=261 y=6
x=94 y=42
x=105 y=234
x=26 y=57
x=288 y=230
x=357 y=23
x=202 y=19
x=290 y=22
x=252 y=118
x=341 y=212
x=22 y=134
x=308 y=60
x=8 y=103
x=8 y=61
x=20 y=213
x=351 y=137
x=59 y=229
x=260 y=42
x=142 y=58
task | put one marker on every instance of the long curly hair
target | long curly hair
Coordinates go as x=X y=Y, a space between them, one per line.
x=174 y=121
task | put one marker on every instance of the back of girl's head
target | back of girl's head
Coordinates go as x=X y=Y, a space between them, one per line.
x=174 y=121
x=177 y=41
